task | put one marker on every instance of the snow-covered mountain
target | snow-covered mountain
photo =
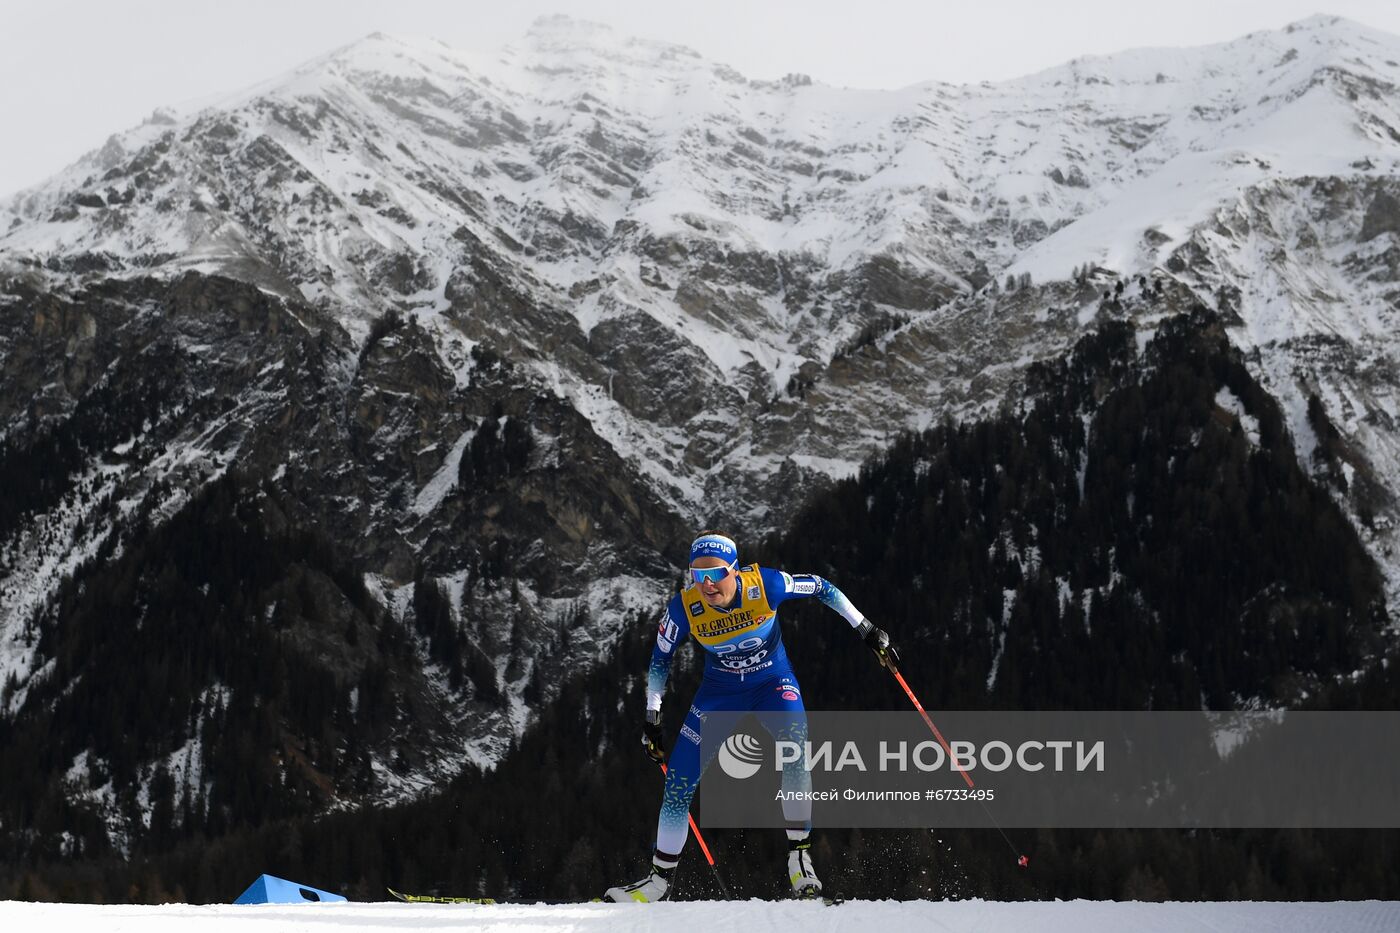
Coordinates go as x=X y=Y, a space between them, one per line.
x=702 y=294
x=690 y=242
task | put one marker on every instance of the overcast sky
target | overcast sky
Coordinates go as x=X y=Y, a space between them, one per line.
x=72 y=72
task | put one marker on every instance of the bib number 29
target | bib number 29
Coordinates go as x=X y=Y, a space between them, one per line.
x=742 y=648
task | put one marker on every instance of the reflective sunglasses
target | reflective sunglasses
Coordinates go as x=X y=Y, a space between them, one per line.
x=710 y=574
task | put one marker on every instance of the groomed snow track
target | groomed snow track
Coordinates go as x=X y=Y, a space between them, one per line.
x=973 y=916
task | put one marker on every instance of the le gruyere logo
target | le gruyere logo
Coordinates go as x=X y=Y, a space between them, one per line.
x=726 y=625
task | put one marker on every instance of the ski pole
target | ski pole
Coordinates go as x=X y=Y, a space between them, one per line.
x=929 y=722
x=1021 y=860
x=703 y=848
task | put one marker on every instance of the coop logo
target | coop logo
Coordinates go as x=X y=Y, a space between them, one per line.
x=740 y=756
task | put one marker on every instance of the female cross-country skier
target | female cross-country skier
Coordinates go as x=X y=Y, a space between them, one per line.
x=732 y=612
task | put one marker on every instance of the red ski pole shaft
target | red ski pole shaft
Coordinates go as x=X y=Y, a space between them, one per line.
x=929 y=722
x=1021 y=860
x=696 y=830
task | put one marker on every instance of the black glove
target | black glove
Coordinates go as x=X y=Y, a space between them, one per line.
x=879 y=641
x=651 y=737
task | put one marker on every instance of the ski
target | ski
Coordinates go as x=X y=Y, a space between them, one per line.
x=830 y=900
x=434 y=899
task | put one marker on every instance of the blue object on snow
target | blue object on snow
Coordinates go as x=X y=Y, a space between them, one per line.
x=271 y=890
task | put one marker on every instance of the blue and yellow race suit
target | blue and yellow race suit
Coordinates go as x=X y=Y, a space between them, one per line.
x=746 y=669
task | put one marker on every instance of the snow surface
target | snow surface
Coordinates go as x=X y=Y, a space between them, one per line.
x=1230 y=402
x=972 y=916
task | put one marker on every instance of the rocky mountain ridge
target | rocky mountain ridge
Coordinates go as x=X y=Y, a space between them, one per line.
x=533 y=316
